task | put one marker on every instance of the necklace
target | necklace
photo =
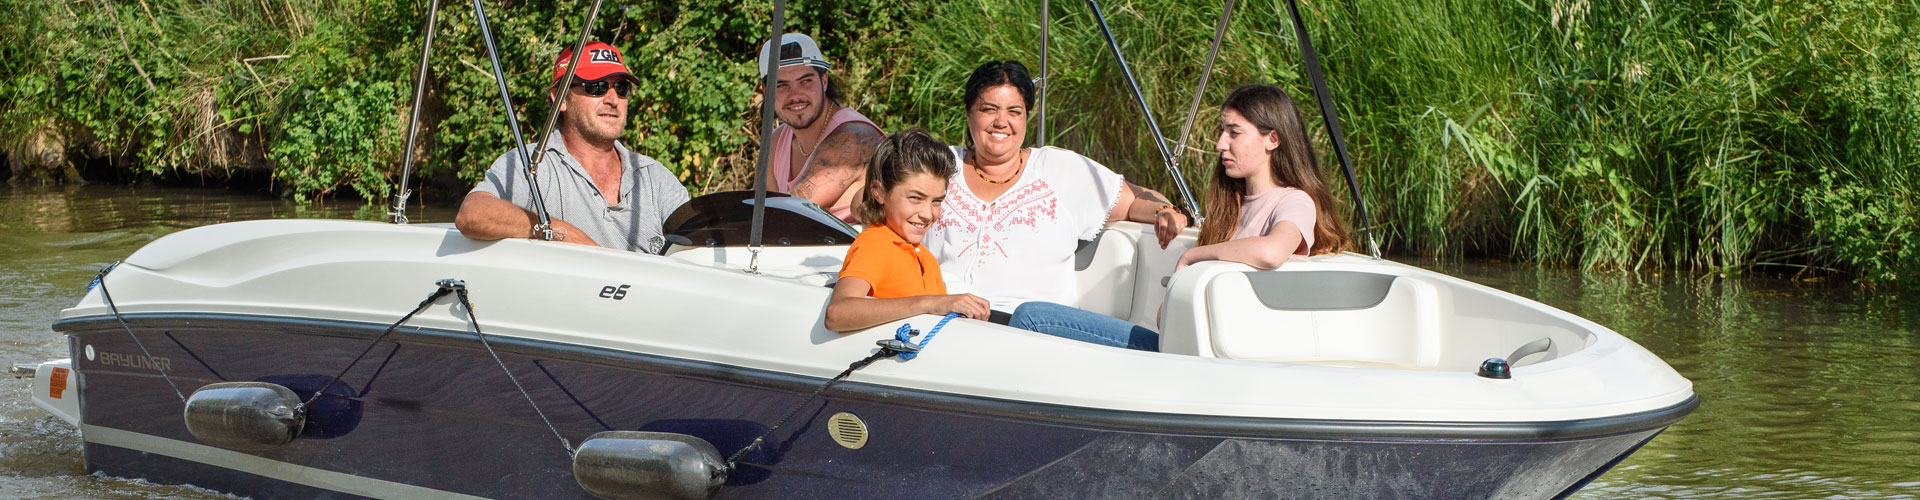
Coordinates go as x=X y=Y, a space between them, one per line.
x=806 y=155
x=797 y=164
x=982 y=173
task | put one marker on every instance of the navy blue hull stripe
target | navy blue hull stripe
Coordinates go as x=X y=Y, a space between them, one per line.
x=1075 y=416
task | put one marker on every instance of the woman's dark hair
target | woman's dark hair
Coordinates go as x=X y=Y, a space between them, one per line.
x=907 y=152
x=997 y=73
x=1294 y=165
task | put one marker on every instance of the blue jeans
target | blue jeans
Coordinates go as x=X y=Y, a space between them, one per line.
x=1083 y=325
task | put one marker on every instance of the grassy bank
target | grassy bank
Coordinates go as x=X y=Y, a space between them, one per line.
x=1714 y=136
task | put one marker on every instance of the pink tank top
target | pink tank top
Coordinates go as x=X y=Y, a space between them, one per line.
x=783 y=156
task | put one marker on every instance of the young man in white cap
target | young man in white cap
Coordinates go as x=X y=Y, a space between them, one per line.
x=597 y=191
x=821 y=149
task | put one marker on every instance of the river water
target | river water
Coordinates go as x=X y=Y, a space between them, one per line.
x=1810 y=388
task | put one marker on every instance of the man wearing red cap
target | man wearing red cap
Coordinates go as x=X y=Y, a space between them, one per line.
x=597 y=191
x=821 y=149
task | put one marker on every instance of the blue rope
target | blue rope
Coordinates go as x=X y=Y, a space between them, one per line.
x=906 y=332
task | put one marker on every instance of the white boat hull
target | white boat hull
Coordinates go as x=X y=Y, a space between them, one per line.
x=1380 y=401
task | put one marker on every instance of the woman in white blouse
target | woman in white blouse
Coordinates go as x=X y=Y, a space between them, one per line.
x=1015 y=215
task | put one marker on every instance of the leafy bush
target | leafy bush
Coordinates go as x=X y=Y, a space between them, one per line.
x=1720 y=135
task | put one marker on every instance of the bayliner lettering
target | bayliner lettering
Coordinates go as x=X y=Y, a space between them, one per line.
x=134 y=361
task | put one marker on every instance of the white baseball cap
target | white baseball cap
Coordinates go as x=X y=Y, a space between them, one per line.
x=809 y=53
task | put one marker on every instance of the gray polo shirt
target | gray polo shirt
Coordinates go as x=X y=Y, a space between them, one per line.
x=648 y=193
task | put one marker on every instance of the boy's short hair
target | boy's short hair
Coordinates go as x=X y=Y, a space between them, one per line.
x=907 y=152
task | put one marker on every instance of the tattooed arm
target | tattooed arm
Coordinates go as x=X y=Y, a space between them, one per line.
x=840 y=164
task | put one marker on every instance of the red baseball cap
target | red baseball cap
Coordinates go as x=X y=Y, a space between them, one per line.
x=601 y=61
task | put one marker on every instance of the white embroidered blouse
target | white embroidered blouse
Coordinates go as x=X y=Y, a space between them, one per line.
x=1019 y=247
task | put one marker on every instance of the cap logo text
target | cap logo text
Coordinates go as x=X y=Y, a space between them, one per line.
x=604 y=55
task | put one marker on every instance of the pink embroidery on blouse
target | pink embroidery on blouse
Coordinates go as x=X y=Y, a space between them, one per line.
x=1025 y=207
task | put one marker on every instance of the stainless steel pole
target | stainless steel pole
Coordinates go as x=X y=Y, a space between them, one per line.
x=1159 y=140
x=560 y=92
x=544 y=230
x=767 y=107
x=1200 y=90
x=399 y=213
x=1045 y=19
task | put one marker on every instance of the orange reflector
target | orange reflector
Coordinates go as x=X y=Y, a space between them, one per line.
x=58 y=384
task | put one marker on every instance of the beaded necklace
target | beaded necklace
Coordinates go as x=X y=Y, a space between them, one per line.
x=977 y=171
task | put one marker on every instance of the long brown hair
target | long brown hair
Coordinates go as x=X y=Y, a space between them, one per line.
x=1294 y=164
x=907 y=152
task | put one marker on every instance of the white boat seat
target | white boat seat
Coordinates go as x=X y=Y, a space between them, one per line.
x=1327 y=317
x=1103 y=272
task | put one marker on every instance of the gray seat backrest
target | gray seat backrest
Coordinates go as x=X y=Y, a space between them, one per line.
x=1320 y=290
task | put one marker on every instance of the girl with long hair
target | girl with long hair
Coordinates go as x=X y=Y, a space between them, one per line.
x=1267 y=202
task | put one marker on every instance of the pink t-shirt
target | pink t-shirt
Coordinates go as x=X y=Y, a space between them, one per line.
x=1260 y=212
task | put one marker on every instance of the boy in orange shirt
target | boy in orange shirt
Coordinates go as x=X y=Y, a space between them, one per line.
x=889 y=274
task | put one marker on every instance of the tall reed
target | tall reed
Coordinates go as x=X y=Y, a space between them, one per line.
x=1716 y=136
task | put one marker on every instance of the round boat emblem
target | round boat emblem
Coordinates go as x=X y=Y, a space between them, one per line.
x=847 y=430
x=89 y=352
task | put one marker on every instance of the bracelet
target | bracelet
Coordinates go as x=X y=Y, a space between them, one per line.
x=1164 y=208
x=558 y=235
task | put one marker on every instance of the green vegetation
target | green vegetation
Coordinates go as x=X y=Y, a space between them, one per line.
x=1616 y=135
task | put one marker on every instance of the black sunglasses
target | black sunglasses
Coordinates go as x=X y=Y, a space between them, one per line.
x=597 y=88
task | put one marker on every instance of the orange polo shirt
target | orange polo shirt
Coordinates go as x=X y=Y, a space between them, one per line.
x=892 y=266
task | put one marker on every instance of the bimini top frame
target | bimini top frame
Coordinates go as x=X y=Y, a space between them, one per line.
x=529 y=160
x=1170 y=157
x=1328 y=113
